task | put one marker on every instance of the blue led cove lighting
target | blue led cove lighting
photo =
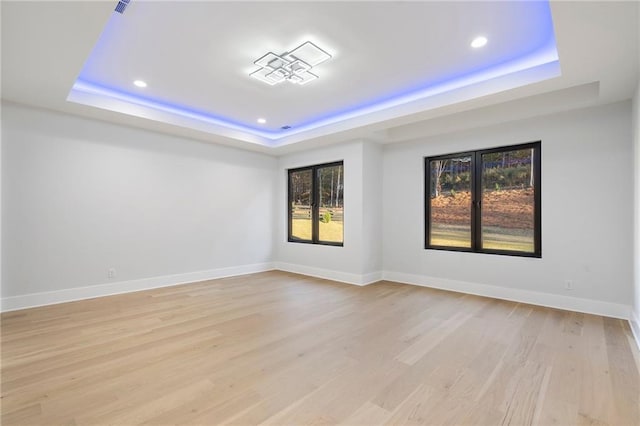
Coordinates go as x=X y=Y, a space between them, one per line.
x=544 y=56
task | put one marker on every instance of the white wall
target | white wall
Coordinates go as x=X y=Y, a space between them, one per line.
x=635 y=322
x=372 y=180
x=587 y=214
x=0 y=195
x=82 y=196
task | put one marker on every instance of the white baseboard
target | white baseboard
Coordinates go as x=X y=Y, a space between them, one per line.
x=372 y=277
x=589 y=306
x=634 y=322
x=89 y=292
x=328 y=274
x=575 y=304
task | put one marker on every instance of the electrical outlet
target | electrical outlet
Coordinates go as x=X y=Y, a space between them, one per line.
x=568 y=285
x=111 y=273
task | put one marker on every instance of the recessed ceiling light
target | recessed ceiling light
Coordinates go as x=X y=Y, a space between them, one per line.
x=262 y=120
x=140 y=83
x=478 y=42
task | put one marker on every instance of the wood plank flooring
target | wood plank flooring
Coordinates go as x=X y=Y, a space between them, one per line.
x=283 y=349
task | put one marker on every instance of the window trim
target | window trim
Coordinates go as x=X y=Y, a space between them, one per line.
x=315 y=208
x=476 y=205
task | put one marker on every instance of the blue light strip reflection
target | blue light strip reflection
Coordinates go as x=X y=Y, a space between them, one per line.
x=545 y=54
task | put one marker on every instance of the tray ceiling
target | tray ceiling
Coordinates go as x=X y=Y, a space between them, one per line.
x=387 y=60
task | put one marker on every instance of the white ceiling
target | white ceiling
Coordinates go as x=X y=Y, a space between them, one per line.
x=197 y=57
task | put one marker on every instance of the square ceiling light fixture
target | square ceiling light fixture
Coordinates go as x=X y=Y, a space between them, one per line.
x=294 y=66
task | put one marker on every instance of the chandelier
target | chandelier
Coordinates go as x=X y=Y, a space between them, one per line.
x=294 y=66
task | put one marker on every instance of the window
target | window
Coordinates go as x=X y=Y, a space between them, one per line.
x=485 y=201
x=315 y=204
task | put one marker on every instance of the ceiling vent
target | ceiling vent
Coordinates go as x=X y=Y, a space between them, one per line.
x=122 y=5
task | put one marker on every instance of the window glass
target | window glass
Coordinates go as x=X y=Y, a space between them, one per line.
x=316 y=204
x=485 y=201
x=330 y=203
x=451 y=201
x=508 y=200
x=300 y=191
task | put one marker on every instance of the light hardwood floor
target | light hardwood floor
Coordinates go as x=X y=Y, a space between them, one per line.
x=283 y=349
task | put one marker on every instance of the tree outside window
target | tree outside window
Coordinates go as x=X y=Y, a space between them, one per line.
x=316 y=204
x=485 y=201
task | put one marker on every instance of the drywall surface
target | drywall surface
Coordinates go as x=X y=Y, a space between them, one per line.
x=587 y=208
x=81 y=197
x=372 y=179
x=636 y=215
x=1 y=201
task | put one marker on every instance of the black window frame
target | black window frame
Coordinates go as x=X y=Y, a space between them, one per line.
x=476 y=204
x=315 y=207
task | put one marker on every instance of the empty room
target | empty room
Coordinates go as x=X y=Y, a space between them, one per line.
x=320 y=213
